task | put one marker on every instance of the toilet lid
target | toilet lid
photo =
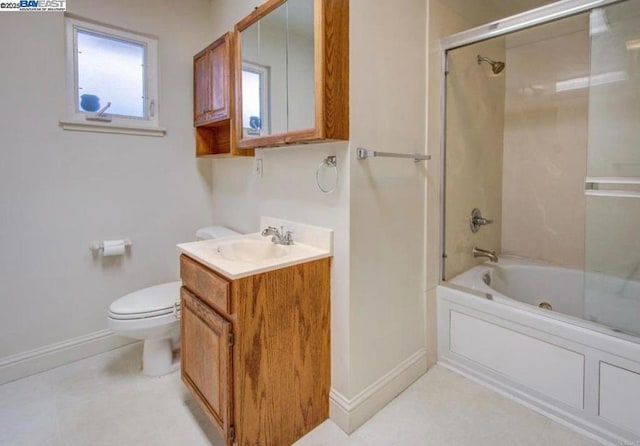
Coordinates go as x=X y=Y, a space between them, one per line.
x=147 y=302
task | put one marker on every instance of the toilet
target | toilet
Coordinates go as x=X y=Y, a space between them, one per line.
x=150 y=314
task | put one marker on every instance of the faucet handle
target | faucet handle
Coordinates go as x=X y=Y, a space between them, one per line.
x=269 y=230
x=476 y=220
x=288 y=238
x=482 y=221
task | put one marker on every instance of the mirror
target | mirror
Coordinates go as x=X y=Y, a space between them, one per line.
x=277 y=52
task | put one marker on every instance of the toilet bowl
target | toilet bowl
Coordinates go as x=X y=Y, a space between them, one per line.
x=150 y=314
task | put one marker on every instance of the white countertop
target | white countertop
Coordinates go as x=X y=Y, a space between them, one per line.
x=207 y=253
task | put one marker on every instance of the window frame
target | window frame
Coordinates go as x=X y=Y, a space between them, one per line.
x=76 y=119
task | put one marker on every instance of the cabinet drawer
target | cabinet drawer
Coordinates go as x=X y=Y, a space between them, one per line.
x=205 y=284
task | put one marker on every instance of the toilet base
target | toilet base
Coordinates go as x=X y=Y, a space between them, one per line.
x=158 y=357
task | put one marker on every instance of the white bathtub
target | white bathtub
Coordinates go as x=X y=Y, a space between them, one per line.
x=560 y=362
x=609 y=301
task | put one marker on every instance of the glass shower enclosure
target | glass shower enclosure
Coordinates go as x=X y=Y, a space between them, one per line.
x=547 y=146
x=612 y=182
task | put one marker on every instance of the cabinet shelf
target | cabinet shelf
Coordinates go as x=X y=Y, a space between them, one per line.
x=216 y=140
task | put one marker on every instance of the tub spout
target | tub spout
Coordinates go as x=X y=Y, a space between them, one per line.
x=479 y=252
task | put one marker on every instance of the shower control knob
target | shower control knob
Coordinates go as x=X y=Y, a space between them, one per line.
x=477 y=220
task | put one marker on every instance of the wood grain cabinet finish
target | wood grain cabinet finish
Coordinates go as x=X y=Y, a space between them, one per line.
x=206 y=360
x=213 y=99
x=261 y=370
x=331 y=76
x=212 y=82
x=207 y=285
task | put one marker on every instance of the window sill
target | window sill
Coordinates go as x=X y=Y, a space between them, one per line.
x=97 y=127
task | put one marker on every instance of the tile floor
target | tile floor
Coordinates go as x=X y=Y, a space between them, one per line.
x=104 y=400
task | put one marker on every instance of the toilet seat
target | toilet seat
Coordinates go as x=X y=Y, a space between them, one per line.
x=132 y=325
x=149 y=302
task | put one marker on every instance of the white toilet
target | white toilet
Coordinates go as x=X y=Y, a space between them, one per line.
x=150 y=315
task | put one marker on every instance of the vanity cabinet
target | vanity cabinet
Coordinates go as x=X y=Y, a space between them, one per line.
x=213 y=99
x=256 y=350
x=292 y=73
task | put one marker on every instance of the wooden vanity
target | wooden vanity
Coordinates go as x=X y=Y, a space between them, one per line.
x=256 y=350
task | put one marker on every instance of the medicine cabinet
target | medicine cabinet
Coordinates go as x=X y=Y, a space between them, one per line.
x=292 y=73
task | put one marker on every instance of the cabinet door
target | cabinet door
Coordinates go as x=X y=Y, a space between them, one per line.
x=201 y=87
x=206 y=361
x=220 y=77
x=212 y=82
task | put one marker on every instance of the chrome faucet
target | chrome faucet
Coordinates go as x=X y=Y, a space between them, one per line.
x=479 y=252
x=279 y=237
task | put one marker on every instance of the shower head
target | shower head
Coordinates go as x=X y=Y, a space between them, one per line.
x=496 y=65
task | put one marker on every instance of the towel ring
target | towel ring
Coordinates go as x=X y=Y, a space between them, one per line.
x=330 y=161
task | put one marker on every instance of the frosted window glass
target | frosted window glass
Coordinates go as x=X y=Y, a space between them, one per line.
x=114 y=71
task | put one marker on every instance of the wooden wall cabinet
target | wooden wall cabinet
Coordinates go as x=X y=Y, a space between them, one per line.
x=212 y=81
x=307 y=88
x=213 y=99
x=256 y=350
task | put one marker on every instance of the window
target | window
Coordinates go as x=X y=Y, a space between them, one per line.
x=255 y=99
x=111 y=79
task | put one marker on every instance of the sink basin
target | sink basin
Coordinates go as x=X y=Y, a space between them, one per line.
x=251 y=250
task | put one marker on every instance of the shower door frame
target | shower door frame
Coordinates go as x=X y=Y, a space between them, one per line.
x=528 y=19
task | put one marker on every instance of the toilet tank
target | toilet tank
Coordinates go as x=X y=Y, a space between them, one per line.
x=210 y=232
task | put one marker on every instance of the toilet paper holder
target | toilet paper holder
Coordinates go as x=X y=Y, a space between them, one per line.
x=97 y=246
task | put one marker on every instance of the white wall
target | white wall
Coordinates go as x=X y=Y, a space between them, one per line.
x=377 y=211
x=288 y=190
x=387 y=210
x=59 y=189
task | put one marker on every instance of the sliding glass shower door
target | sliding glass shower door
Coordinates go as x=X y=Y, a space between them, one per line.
x=612 y=184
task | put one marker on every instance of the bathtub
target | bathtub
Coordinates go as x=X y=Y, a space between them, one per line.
x=609 y=301
x=561 y=358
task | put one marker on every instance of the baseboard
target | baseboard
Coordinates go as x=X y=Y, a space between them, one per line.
x=350 y=414
x=50 y=356
x=543 y=408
